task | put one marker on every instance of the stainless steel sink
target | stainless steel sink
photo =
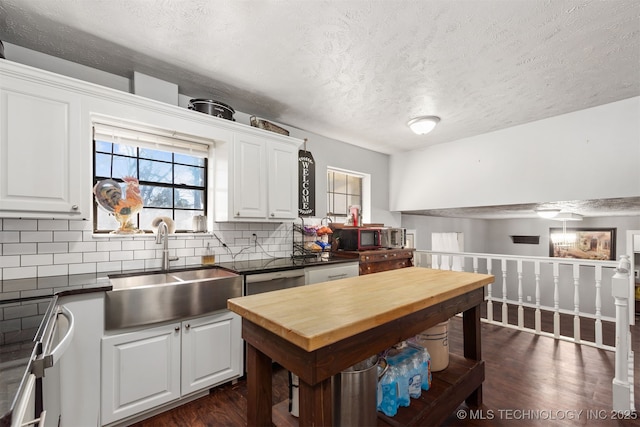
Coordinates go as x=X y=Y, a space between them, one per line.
x=137 y=300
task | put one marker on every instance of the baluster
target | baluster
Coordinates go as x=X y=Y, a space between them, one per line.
x=489 y=297
x=576 y=303
x=505 y=308
x=475 y=264
x=434 y=261
x=520 y=307
x=556 y=301
x=538 y=313
x=598 y=306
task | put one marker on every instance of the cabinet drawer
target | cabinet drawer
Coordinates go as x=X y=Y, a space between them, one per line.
x=385 y=256
x=327 y=273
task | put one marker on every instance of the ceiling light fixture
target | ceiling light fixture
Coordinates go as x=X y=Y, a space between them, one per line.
x=547 y=213
x=424 y=124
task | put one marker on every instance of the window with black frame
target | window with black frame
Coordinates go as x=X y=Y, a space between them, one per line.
x=171 y=174
x=344 y=190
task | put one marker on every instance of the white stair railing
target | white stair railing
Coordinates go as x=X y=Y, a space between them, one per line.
x=584 y=277
x=556 y=284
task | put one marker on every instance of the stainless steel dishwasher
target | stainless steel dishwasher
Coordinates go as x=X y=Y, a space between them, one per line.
x=273 y=281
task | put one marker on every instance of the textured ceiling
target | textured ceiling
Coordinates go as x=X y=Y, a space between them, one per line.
x=357 y=70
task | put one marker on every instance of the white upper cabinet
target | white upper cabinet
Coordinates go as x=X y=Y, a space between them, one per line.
x=256 y=178
x=40 y=150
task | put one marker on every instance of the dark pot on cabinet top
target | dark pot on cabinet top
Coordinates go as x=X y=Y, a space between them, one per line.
x=213 y=108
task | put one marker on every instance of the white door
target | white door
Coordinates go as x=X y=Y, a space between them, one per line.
x=140 y=370
x=283 y=181
x=249 y=194
x=211 y=351
x=40 y=151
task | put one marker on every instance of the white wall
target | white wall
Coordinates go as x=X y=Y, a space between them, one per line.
x=587 y=154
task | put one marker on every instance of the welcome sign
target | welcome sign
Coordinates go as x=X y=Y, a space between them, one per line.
x=306 y=183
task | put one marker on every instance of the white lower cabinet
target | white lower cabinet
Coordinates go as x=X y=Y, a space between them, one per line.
x=147 y=368
x=327 y=273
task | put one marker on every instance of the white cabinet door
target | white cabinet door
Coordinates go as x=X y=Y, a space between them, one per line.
x=249 y=196
x=283 y=181
x=327 y=273
x=140 y=370
x=256 y=177
x=211 y=351
x=40 y=151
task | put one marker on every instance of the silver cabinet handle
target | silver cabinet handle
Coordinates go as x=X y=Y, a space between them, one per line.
x=187 y=326
x=177 y=329
x=272 y=214
x=75 y=207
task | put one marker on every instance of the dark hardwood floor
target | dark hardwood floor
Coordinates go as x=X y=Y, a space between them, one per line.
x=529 y=381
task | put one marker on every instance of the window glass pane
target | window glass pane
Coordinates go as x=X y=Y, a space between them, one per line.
x=103 y=164
x=188 y=175
x=339 y=182
x=106 y=221
x=124 y=166
x=354 y=183
x=189 y=199
x=158 y=197
x=125 y=150
x=354 y=201
x=147 y=153
x=155 y=171
x=340 y=204
x=188 y=160
x=104 y=147
x=147 y=215
x=184 y=219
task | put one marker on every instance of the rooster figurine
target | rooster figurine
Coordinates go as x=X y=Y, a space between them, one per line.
x=109 y=196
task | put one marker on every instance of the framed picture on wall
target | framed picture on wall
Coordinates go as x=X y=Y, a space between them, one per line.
x=583 y=243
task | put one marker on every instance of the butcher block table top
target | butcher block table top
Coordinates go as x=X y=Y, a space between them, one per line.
x=318 y=315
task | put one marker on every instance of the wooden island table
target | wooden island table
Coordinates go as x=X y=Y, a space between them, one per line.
x=316 y=331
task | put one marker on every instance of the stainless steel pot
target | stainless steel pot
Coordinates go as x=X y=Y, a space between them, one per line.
x=213 y=108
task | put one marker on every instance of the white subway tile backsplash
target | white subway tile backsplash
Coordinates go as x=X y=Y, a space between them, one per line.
x=133 y=245
x=20 y=224
x=19 y=249
x=9 y=236
x=146 y=254
x=185 y=252
x=80 y=225
x=67 y=236
x=121 y=256
x=82 y=246
x=133 y=265
x=88 y=267
x=47 y=248
x=9 y=261
x=36 y=236
x=95 y=257
x=109 y=246
x=52 y=224
x=176 y=244
x=196 y=243
x=53 y=248
x=18 y=273
x=51 y=270
x=68 y=258
x=109 y=266
x=29 y=260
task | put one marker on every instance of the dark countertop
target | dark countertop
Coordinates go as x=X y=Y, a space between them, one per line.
x=20 y=318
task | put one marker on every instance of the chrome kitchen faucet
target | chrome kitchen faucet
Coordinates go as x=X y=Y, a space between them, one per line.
x=163 y=237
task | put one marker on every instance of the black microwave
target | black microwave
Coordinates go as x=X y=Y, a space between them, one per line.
x=360 y=239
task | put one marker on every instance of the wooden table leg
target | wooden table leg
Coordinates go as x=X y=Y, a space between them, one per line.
x=259 y=388
x=315 y=404
x=472 y=347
